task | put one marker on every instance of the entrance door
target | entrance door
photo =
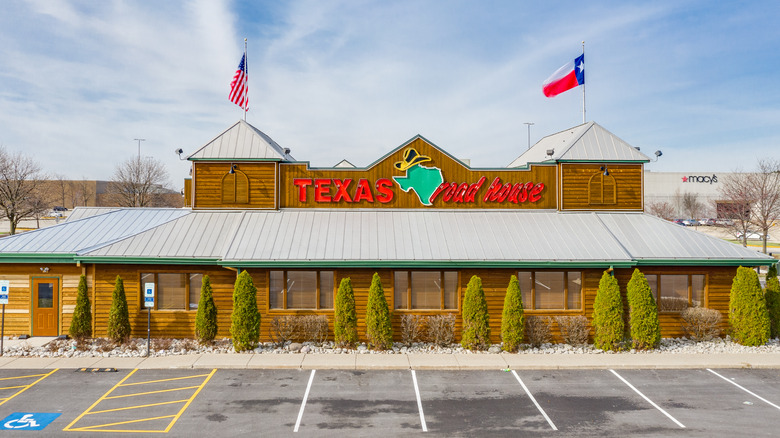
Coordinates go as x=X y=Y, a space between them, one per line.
x=45 y=306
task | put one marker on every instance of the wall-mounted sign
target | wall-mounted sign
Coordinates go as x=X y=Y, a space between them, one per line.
x=418 y=176
x=705 y=179
x=4 y=289
x=149 y=295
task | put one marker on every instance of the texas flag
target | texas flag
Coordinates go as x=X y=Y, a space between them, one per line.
x=565 y=78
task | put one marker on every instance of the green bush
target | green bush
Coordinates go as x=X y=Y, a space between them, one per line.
x=118 y=316
x=345 y=318
x=476 y=327
x=642 y=313
x=748 y=315
x=206 y=318
x=81 y=324
x=608 y=314
x=512 y=317
x=379 y=329
x=772 y=296
x=245 y=319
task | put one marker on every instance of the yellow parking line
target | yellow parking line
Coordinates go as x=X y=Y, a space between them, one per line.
x=139 y=406
x=174 y=418
x=68 y=427
x=164 y=380
x=150 y=392
x=92 y=428
x=12 y=387
x=26 y=387
x=22 y=377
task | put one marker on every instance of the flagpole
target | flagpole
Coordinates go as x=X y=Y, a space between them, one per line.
x=583 y=86
x=246 y=69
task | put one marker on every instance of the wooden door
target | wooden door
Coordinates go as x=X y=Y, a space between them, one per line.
x=45 y=306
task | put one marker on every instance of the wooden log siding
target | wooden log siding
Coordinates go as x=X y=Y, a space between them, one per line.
x=17 y=312
x=164 y=323
x=574 y=188
x=452 y=172
x=207 y=179
x=181 y=323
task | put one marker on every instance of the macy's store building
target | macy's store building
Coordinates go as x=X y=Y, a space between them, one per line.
x=558 y=216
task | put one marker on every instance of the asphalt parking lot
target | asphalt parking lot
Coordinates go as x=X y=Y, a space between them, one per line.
x=701 y=402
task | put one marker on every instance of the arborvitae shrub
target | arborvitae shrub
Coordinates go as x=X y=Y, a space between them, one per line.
x=345 y=317
x=748 y=315
x=512 y=317
x=118 y=316
x=379 y=329
x=245 y=319
x=206 y=318
x=772 y=296
x=608 y=314
x=81 y=324
x=643 y=313
x=476 y=327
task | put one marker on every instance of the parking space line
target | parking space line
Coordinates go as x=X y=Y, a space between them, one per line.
x=419 y=402
x=164 y=380
x=151 y=392
x=303 y=403
x=127 y=408
x=746 y=390
x=647 y=399
x=174 y=417
x=525 y=388
x=24 y=387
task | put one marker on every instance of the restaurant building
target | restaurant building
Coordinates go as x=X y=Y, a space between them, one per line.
x=565 y=211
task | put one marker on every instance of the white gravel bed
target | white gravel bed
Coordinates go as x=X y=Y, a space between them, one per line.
x=100 y=347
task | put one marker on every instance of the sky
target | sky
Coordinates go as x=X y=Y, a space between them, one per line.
x=333 y=80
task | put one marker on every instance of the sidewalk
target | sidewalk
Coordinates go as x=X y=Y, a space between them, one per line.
x=416 y=361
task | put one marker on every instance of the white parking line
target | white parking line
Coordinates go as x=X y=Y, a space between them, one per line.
x=648 y=400
x=419 y=402
x=745 y=389
x=534 y=400
x=303 y=403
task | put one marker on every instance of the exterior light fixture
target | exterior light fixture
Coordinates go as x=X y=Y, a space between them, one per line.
x=605 y=170
x=233 y=168
x=45 y=269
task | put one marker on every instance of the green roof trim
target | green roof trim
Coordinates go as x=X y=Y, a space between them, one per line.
x=708 y=262
x=428 y=264
x=239 y=160
x=148 y=260
x=36 y=258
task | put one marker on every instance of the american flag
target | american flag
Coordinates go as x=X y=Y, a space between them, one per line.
x=238 y=88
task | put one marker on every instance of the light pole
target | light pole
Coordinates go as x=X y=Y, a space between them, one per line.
x=139 y=140
x=529 y=132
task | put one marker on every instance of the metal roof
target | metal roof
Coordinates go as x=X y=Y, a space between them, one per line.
x=377 y=238
x=74 y=236
x=242 y=141
x=204 y=235
x=586 y=142
x=83 y=212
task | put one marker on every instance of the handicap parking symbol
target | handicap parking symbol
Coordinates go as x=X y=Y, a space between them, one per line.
x=27 y=421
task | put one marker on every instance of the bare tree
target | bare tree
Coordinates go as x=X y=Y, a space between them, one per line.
x=754 y=200
x=691 y=205
x=21 y=187
x=766 y=186
x=81 y=193
x=63 y=188
x=662 y=209
x=139 y=183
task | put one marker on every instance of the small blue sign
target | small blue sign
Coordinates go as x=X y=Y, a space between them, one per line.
x=27 y=421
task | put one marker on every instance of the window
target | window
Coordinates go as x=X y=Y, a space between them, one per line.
x=174 y=291
x=551 y=290
x=425 y=290
x=677 y=291
x=300 y=289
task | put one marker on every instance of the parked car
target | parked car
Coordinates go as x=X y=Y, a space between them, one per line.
x=750 y=235
x=706 y=222
x=59 y=208
x=689 y=222
x=678 y=221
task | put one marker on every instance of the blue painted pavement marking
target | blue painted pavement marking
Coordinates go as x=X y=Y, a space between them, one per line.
x=27 y=421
